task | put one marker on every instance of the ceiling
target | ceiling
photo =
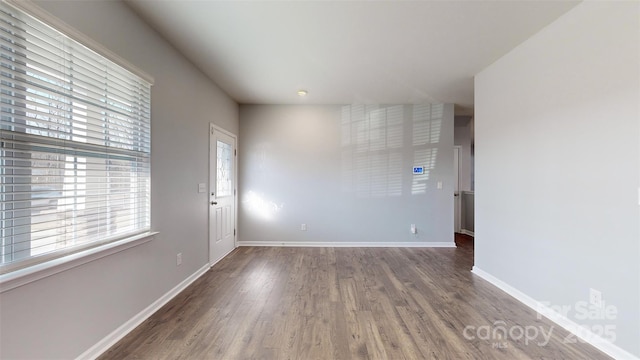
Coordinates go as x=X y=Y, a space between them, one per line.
x=342 y=52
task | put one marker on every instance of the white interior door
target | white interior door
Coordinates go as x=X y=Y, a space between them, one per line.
x=456 y=189
x=222 y=194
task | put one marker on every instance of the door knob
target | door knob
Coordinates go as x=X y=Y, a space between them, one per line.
x=214 y=203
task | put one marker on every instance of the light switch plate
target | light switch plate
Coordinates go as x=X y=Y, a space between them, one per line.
x=202 y=187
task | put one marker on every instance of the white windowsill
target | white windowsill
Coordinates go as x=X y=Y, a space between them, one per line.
x=36 y=272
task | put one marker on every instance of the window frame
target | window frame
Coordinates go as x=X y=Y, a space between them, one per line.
x=32 y=269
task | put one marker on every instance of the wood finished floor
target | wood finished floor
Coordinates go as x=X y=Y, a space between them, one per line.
x=344 y=303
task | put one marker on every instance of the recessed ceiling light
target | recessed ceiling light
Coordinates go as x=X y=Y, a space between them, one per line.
x=302 y=92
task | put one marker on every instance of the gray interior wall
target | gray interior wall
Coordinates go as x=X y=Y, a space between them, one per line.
x=63 y=315
x=468 y=207
x=557 y=175
x=462 y=137
x=346 y=172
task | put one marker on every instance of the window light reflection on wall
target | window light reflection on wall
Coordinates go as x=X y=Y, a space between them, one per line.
x=257 y=206
x=373 y=143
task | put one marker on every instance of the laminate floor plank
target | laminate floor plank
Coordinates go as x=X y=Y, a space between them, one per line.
x=345 y=303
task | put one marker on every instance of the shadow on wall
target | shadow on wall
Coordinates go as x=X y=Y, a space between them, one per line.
x=373 y=146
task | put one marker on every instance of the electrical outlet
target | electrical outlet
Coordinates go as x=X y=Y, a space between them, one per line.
x=595 y=297
x=413 y=229
x=179 y=259
x=303 y=227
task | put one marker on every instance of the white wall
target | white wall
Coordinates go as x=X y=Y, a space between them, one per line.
x=346 y=172
x=557 y=165
x=65 y=314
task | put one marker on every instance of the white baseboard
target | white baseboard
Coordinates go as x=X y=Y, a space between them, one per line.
x=222 y=257
x=580 y=332
x=345 y=244
x=115 y=336
x=466 y=232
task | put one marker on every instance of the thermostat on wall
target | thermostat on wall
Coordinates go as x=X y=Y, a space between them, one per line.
x=418 y=170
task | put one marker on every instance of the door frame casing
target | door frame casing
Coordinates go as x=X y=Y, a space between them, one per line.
x=213 y=128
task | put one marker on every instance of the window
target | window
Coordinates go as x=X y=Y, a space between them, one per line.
x=224 y=182
x=74 y=145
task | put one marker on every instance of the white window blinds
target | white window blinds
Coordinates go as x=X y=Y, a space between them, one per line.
x=74 y=145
